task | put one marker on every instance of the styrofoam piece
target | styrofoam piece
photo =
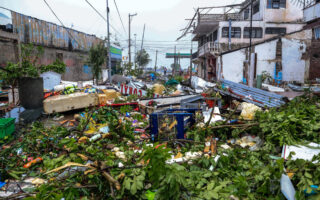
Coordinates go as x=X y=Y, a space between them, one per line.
x=301 y=152
x=69 y=102
x=272 y=88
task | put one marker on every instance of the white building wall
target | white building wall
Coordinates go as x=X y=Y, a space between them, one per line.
x=232 y=65
x=294 y=66
x=312 y=12
x=242 y=24
x=292 y=12
x=266 y=54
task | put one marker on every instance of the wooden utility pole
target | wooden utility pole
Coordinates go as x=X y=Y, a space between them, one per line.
x=155 y=66
x=109 y=46
x=144 y=27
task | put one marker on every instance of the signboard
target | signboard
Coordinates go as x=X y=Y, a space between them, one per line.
x=116 y=53
x=131 y=90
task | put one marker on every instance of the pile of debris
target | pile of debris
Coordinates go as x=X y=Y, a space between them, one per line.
x=213 y=147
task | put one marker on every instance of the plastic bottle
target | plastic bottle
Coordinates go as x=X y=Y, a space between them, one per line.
x=95 y=137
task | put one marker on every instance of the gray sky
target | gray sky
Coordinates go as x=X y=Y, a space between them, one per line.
x=163 y=19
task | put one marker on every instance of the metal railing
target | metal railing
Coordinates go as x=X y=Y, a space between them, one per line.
x=209 y=47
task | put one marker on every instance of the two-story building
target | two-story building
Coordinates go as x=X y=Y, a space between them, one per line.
x=217 y=33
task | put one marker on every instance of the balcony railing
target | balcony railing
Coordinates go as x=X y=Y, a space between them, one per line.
x=209 y=47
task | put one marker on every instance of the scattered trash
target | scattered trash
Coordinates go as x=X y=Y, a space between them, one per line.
x=248 y=111
x=301 y=152
x=215 y=117
x=287 y=188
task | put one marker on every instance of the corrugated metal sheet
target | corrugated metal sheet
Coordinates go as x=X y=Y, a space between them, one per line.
x=39 y=32
x=252 y=95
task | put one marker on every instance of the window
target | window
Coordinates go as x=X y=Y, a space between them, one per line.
x=59 y=56
x=246 y=14
x=256 y=8
x=276 y=4
x=278 y=31
x=317 y=33
x=235 y=32
x=256 y=32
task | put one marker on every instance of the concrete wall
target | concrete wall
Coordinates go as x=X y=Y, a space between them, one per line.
x=312 y=12
x=77 y=69
x=266 y=54
x=292 y=12
x=8 y=52
x=295 y=59
x=232 y=65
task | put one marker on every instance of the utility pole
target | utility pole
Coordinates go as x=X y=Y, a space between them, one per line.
x=190 y=69
x=251 y=14
x=130 y=16
x=175 y=61
x=251 y=56
x=144 y=27
x=155 y=66
x=135 y=50
x=109 y=52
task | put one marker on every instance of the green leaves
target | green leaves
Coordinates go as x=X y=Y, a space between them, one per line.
x=134 y=182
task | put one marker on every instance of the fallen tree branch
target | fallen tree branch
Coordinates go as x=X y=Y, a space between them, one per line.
x=111 y=180
x=234 y=126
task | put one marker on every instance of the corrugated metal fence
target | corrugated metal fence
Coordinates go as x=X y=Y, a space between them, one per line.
x=32 y=30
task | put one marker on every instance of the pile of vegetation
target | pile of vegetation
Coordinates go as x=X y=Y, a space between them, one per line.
x=144 y=173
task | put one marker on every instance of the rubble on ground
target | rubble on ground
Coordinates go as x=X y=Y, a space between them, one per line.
x=226 y=149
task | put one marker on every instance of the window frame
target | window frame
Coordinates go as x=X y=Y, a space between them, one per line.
x=317 y=33
x=271 y=4
x=246 y=13
x=272 y=31
x=233 y=32
x=257 y=5
x=254 y=32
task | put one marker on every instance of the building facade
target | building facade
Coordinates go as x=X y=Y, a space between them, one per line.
x=217 y=33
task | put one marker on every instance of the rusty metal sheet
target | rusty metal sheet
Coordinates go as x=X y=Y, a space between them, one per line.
x=45 y=33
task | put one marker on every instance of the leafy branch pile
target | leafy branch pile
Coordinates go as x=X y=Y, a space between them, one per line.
x=122 y=166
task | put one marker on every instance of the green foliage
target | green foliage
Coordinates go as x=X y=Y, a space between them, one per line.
x=125 y=109
x=97 y=57
x=150 y=93
x=57 y=66
x=132 y=98
x=143 y=58
x=294 y=123
x=178 y=78
x=133 y=183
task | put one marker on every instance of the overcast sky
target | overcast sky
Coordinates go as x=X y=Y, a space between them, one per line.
x=163 y=18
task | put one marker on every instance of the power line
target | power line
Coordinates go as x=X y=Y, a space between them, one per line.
x=102 y=17
x=62 y=23
x=115 y=3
